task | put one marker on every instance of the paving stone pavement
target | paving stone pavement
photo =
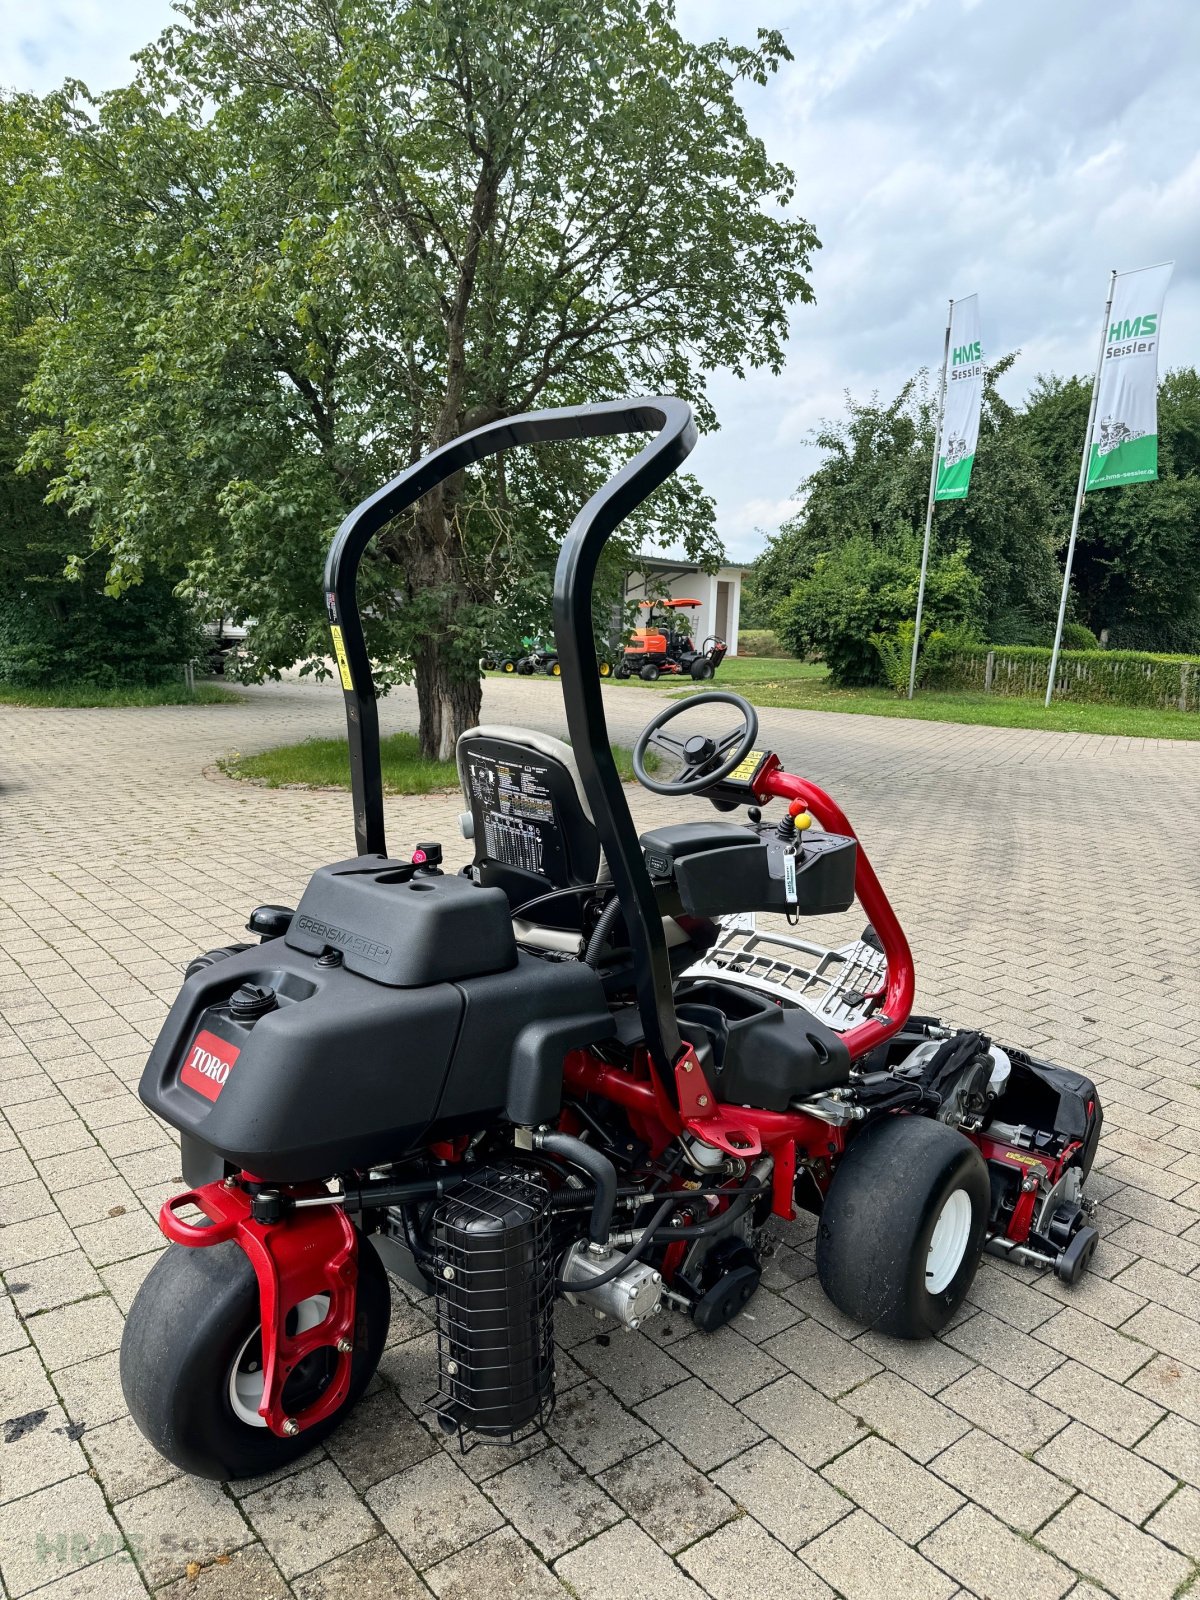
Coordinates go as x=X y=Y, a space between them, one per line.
x=1048 y=1445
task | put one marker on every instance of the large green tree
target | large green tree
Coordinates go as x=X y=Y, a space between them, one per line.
x=314 y=239
x=873 y=484
x=1136 y=571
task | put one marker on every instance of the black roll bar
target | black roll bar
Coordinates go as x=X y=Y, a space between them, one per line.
x=675 y=434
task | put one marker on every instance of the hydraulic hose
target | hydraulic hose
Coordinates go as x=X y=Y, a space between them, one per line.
x=632 y=1254
x=597 y=1166
x=749 y=1192
x=601 y=931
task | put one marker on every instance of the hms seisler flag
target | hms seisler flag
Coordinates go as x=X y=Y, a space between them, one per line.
x=1125 y=433
x=964 y=396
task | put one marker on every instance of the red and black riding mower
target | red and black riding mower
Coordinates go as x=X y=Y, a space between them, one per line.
x=560 y=1073
x=663 y=645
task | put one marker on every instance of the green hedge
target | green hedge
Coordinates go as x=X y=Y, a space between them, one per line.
x=762 y=642
x=1114 y=677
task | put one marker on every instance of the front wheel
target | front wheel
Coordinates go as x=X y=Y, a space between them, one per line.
x=191 y=1361
x=702 y=669
x=902 y=1227
x=650 y=672
x=623 y=671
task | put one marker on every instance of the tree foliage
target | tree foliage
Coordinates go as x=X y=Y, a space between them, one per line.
x=1137 y=566
x=55 y=626
x=314 y=239
x=861 y=590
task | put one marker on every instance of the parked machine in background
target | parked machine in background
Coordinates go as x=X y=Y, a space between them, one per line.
x=665 y=645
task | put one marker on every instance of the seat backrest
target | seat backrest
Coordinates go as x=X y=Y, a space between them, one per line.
x=531 y=821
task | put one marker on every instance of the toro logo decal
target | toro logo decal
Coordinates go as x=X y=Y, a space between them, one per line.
x=208 y=1064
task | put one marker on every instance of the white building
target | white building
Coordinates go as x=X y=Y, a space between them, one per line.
x=719 y=593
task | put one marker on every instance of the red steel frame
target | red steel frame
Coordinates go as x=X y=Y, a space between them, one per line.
x=743 y=1131
x=312 y=1251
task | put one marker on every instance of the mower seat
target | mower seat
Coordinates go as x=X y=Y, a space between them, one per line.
x=532 y=828
x=533 y=831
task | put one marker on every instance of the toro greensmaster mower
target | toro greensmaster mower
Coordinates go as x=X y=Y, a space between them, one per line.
x=568 y=1071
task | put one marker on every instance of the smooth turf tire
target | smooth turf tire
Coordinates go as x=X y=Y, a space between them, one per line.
x=508 y=666
x=898 y=1178
x=604 y=668
x=623 y=671
x=650 y=672
x=702 y=669
x=190 y=1319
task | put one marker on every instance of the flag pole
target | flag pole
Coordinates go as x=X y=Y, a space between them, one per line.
x=937 y=440
x=1083 y=471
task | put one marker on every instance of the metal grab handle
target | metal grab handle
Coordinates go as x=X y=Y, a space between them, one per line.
x=676 y=435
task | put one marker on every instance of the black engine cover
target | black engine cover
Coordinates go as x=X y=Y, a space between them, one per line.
x=345 y=1071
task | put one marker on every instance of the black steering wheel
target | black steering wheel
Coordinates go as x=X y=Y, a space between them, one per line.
x=703 y=760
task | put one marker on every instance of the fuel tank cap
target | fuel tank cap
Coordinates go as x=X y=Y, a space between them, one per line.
x=252 y=1000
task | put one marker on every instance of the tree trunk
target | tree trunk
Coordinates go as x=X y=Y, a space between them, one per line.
x=448 y=696
x=448 y=705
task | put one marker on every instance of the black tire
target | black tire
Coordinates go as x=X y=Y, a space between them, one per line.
x=190 y=1320
x=604 y=668
x=508 y=665
x=623 y=671
x=702 y=669
x=525 y=668
x=650 y=672
x=874 y=1233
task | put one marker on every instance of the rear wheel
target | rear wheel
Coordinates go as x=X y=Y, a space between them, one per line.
x=902 y=1227
x=508 y=665
x=650 y=672
x=605 y=669
x=702 y=668
x=191 y=1361
x=623 y=671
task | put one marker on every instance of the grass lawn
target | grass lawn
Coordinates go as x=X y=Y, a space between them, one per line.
x=812 y=691
x=325 y=764
x=90 y=694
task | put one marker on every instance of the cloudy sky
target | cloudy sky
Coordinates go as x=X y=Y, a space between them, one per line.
x=943 y=147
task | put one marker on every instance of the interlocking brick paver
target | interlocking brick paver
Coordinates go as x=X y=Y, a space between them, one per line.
x=1132 y=1565
x=671 y=1500
x=862 y=1560
x=992 y=1560
x=1124 y=1482
x=373 y=1571
x=626 y=1562
x=803 y=1420
x=893 y=1488
x=905 y=1416
x=743 y=1559
x=500 y=1564
x=552 y=1503
x=152 y=861
x=789 y=1499
x=308 y=1518
x=432 y=1510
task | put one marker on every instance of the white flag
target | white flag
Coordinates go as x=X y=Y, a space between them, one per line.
x=964 y=396
x=1125 y=435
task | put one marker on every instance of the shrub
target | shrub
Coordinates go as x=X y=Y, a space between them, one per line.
x=56 y=633
x=863 y=591
x=1077 y=636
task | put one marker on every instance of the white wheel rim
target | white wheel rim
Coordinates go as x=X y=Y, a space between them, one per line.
x=948 y=1245
x=246 y=1378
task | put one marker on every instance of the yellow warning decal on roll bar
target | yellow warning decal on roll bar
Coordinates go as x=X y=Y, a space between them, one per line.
x=339 y=650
